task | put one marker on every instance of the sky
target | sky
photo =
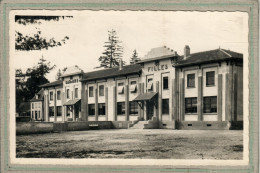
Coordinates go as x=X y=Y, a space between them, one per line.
x=140 y=30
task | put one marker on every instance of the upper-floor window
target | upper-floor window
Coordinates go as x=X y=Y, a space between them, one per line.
x=76 y=92
x=91 y=91
x=120 y=88
x=191 y=80
x=210 y=104
x=191 y=105
x=68 y=93
x=165 y=82
x=101 y=90
x=32 y=105
x=133 y=87
x=51 y=95
x=210 y=78
x=58 y=95
x=150 y=84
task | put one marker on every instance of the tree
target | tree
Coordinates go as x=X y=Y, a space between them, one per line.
x=36 y=41
x=113 y=51
x=27 y=83
x=60 y=72
x=134 y=59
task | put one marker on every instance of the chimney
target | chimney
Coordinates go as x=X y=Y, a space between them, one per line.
x=120 y=64
x=186 y=52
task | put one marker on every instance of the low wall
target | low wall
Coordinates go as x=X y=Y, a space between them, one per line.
x=33 y=127
x=121 y=124
x=23 y=119
x=167 y=125
x=204 y=125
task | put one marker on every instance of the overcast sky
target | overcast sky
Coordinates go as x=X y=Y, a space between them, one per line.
x=88 y=30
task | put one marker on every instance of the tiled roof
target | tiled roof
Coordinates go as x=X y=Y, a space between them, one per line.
x=208 y=57
x=55 y=83
x=112 y=72
x=40 y=96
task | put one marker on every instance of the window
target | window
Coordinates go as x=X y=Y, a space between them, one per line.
x=68 y=93
x=91 y=91
x=51 y=111
x=101 y=109
x=32 y=105
x=51 y=95
x=165 y=83
x=59 y=111
x=191 y=80
x=210 y=78
x=150 y=84
x=76 y=92
x=120 y=108
x=133 y=108
x=101 y=90
x=191 y=105
x=120 y=88
x=165 y=106
x=133 y=87
x=58 y=95
x=36 y=117
x=210 y=104
x=91 y=109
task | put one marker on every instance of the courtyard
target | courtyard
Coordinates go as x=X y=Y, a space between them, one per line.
x=133 y=143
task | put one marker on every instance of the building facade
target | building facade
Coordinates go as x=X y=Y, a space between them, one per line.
x=195 y=91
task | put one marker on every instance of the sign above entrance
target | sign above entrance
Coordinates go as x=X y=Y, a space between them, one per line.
x=158 y=68
x=72 y=81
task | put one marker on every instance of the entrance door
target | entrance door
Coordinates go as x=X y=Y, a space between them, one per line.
x=150 y=107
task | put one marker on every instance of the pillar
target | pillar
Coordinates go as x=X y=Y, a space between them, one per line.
x=106 y=102
x=228 y=98
x=139 y=92
x=96 y=103
x=182 y=101
x=86 y=104
x=219 y=97
x=200 y=98
x=115 y=103
x=73 y=113
x=142 y=92
x=83 y=103
x=126 y=102
x=234 y=107
x=47 y=108
x=63 y=113
x=159 y=107
x=55 y=105
x=174 y=100
x=159 y=102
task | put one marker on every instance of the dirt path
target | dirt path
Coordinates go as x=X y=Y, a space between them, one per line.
x=148 y=144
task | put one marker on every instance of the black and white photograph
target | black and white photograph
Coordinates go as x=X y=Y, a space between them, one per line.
x=129 y=87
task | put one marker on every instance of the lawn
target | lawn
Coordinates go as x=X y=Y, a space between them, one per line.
x=127 y=143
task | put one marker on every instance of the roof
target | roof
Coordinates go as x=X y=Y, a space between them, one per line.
x=112 y=72
x=73 y=70
x=71 y=102
x=55 y=83
x=24 y=107
x=40 y=96
x=208 y=57
x=145 y=96
x=159 y=53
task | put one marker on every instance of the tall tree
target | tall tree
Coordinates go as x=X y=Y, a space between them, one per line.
x=27 y=83
x=113 y=51
x=134 y=59
x=36 y=41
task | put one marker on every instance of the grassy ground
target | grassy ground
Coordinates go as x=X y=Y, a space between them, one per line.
x=148 y=144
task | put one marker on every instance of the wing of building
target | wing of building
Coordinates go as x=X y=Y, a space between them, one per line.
x=202 y=90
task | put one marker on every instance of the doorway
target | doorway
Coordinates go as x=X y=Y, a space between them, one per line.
x=150 y=109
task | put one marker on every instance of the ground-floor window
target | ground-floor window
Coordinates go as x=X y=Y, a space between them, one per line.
x=51 y=111
x=191 y=105
x=165 y=106
x=91 y=109
x=133 y=108
x=101 y=109
x=120 y=108
x=59 y=111
x=210 y=104
x=36 y=117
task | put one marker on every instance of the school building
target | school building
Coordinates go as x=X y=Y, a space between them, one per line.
x=201 y=90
